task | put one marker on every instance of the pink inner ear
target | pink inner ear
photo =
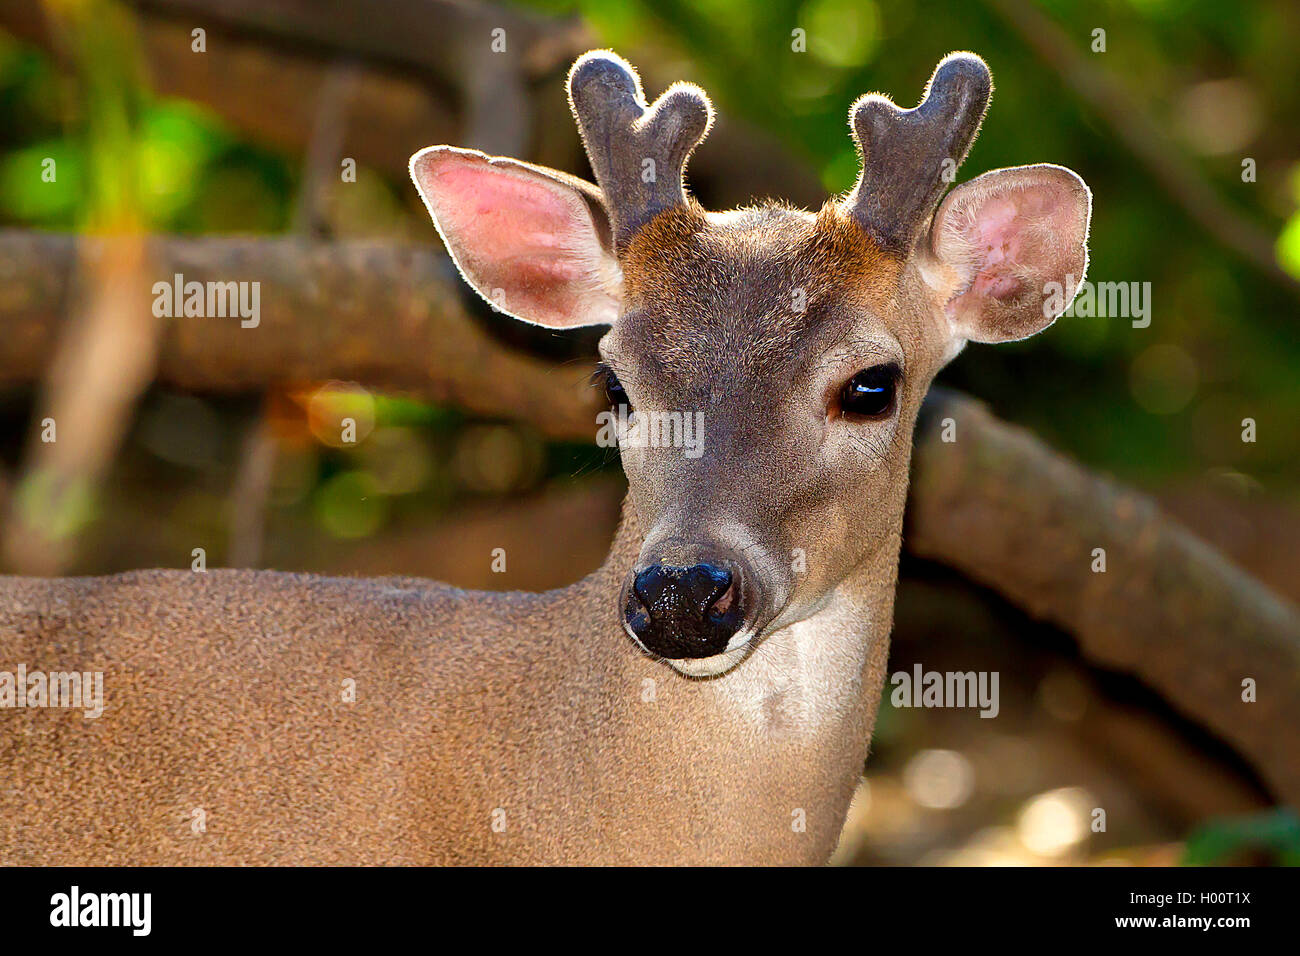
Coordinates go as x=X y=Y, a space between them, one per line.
x=995 y=238
x=1013 y=239
x=509 y=221
x=524 y=241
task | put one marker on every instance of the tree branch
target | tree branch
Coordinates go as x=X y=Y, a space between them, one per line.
x=385 y=315
x=435 y=38
x=1010 y=513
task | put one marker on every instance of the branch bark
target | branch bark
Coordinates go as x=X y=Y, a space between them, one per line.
x=436 y=38
x=384 y=315
x=1002 y=508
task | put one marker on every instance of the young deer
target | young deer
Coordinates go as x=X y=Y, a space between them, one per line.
x=709 y=693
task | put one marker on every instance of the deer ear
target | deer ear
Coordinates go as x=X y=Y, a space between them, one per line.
x=1008 y=250
x=534 y=242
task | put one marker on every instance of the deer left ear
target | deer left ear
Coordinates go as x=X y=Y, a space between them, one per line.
x=1008 y=250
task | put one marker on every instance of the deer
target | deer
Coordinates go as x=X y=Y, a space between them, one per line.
x=709 y=693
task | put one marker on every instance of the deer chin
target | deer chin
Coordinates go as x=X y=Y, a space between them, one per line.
x=703 y=668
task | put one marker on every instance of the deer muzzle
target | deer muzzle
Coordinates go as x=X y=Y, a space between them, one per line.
x=690 y=609
x=684 y=612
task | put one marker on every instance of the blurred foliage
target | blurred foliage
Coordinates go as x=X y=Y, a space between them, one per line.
x=188 y=172
x=1274 y=835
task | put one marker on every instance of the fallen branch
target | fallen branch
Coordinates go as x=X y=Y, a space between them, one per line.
x=384 y=315
x=1010 y=513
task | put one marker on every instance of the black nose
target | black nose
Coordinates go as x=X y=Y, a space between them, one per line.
x=684 y=612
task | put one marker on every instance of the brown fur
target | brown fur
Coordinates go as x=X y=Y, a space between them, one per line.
x=224 y=689
x=223 y=693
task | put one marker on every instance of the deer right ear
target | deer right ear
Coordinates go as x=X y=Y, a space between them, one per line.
x=534 y=242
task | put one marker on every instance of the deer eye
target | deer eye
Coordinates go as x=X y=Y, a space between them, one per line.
x=614 y=393
x=870 y=393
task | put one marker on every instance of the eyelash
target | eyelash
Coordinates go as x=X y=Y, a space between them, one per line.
x=605 y=378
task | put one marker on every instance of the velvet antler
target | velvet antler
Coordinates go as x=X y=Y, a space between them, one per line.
x=638 y=152
x=906 y=153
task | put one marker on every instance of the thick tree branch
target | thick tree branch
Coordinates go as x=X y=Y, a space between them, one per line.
x=484 y=55
x=1012 y=514
x=380 y=314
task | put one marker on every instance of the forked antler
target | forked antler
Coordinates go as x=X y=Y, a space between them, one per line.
x=905 y=153
x=637 y=152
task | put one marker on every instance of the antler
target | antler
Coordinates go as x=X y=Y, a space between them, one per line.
x=638 y=152
x=905 y=153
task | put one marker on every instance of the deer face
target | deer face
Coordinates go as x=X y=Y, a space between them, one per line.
x=768 y=363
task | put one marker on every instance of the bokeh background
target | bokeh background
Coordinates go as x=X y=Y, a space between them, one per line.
x=250 y=135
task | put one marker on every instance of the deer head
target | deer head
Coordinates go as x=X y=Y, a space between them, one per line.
x=803 y=342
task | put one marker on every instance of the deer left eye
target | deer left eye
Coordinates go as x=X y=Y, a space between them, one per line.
x=614 y=393
x=870 y=393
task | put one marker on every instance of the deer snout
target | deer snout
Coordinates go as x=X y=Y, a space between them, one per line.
x=685 y=612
